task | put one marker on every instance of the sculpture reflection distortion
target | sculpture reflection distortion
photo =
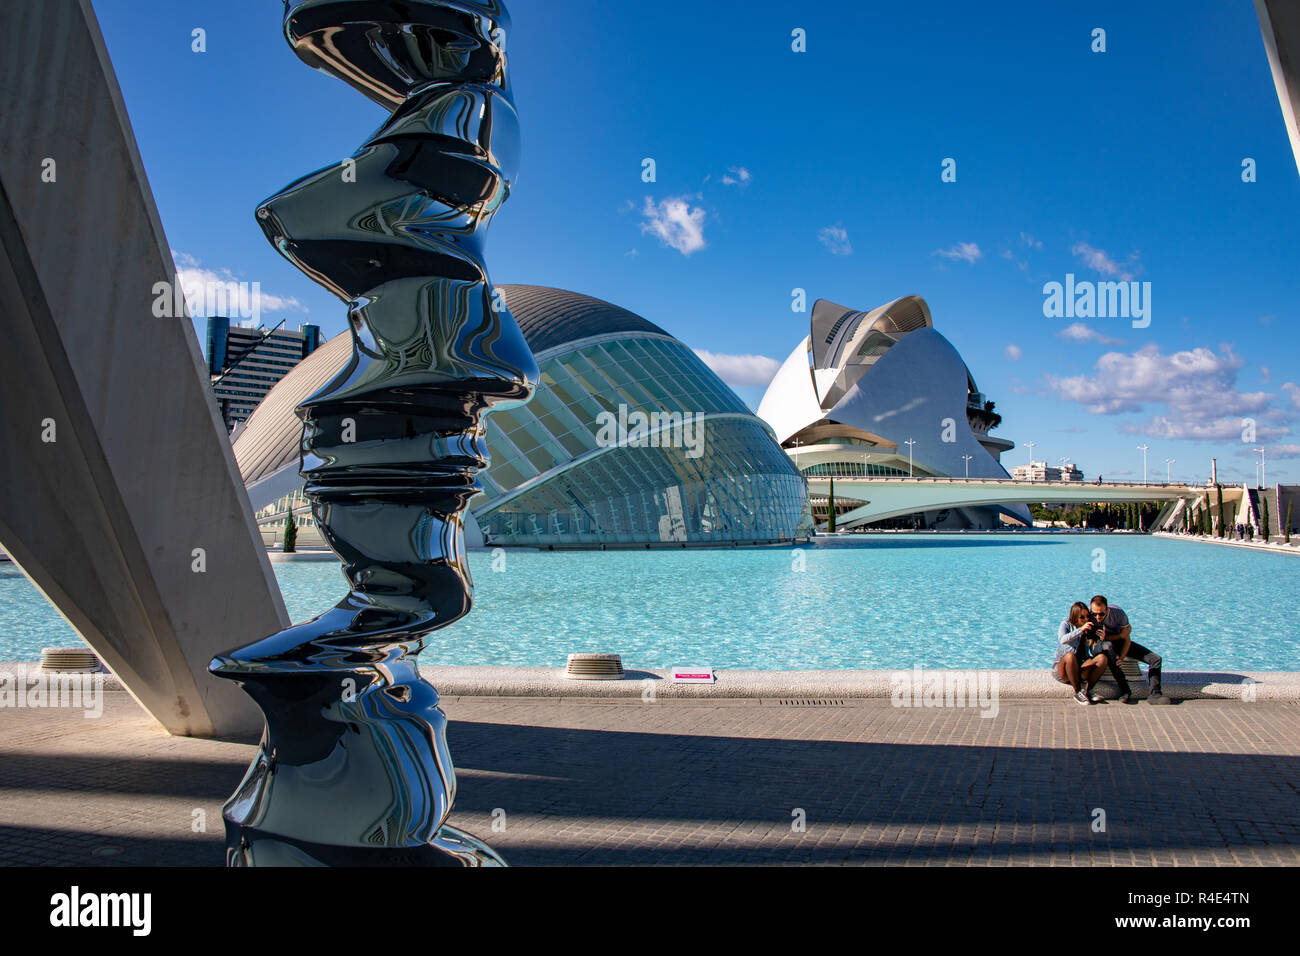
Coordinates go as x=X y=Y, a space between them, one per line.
x=353 y=768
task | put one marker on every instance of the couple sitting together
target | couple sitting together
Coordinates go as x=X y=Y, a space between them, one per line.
x=1095 y=638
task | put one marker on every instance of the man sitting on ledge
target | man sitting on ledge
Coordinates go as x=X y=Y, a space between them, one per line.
x=1115 y=641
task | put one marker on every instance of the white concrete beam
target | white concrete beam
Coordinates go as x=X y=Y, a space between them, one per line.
x=1279 y=21
x=110 y=517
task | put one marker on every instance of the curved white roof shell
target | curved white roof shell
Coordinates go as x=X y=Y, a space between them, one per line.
x=886 y=372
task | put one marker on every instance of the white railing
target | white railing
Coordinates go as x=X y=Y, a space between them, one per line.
x=1007 y=481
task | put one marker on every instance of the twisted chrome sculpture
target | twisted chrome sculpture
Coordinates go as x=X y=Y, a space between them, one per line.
x=353 y=768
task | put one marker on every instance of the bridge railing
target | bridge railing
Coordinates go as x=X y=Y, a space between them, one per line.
x=929 y=479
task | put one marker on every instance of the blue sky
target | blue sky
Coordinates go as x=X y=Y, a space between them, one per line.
x=821 y=170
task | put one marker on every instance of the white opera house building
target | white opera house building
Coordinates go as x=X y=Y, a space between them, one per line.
x=880 y=394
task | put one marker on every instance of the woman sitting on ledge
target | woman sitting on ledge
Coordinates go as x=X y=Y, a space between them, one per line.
x=1071 y=647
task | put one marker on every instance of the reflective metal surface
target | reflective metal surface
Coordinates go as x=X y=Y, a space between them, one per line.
x=353 y=768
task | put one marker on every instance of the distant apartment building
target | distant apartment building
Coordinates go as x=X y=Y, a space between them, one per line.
x=1040 y=471
x=245 y=361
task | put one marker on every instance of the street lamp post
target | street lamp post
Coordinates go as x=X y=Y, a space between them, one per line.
x=1065 y=468
x=1263 y=475
x=866 y=472
x=967 y=458
x=909 y=443
x=1143 y=449
x=1168 y=473
x=797 y=443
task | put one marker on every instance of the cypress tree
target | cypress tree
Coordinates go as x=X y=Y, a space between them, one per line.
x=290 y=535
x=830 y=509
x=1223 y=515
x=1287 y=529
x=1264 y=528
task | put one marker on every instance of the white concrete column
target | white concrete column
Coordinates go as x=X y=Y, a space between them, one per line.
x=119 y=495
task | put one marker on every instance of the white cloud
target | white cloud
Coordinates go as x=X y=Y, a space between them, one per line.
x=1078 y=332
x=1293 y=392
x=1100 y=261
x=1030 y=241
x=1012 y=353
x=1284 y=451
x=675 y=222
x=1197 y=389
x=737 y=176
x=221 y=292
x=1218 y=429
x=740 y=370
x=836 y=239
x=965 y=251
x=1127 y=383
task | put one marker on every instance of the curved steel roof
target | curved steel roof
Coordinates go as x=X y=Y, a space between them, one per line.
x=550 y=317
x=547 y=317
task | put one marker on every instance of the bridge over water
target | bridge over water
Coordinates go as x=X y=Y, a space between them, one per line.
x=892 y=497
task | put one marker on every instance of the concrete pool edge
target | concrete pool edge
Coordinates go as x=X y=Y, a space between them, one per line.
x=501 y=681
x=806 y=685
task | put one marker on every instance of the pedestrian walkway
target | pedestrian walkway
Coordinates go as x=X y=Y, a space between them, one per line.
x=617 y=781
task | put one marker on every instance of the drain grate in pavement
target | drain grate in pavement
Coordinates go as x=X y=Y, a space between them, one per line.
x=810 y=702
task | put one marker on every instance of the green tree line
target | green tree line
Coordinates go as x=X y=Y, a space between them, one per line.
x=1110 y=516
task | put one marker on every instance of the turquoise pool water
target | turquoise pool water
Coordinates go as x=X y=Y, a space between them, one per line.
x=876 y=602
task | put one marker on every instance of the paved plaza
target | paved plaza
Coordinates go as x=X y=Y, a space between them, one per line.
x=610 y=781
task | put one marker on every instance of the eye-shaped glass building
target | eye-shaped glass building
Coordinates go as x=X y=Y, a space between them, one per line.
x=629 y=441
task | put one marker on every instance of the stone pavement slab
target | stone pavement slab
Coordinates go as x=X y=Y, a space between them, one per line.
x=731 y=781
